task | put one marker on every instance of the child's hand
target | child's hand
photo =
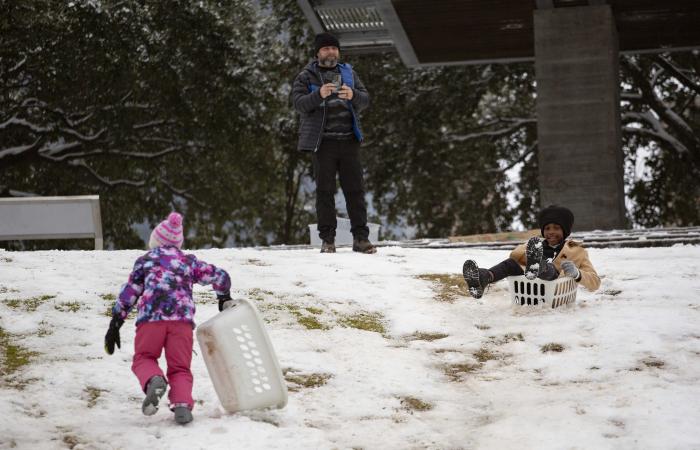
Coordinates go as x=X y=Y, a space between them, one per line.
x=570 y=270
x=112 y=336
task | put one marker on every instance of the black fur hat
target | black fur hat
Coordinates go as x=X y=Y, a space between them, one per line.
x=556 y=214
x=325 y=40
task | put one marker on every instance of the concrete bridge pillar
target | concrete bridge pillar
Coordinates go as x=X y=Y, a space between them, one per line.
x=578 y=114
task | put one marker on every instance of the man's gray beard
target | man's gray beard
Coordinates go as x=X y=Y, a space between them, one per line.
x=328 y=62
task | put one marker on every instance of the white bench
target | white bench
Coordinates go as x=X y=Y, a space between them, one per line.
x=27 y=218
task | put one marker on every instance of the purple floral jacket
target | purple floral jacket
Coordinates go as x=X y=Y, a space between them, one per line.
x=161 y=282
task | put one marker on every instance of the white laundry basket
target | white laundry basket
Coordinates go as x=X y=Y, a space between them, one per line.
x=240 y=359
x=542 y=293
x=343 y=236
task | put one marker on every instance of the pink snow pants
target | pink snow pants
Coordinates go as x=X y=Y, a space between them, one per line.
x=176 y=339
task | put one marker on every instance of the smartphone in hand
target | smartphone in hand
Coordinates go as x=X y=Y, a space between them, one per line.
x=338 y=81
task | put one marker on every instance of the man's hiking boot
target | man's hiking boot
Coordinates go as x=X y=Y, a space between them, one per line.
x=328 y=247
x=183 y=415
x=533 y=254
x=155 y=389
x=477 y=279
x=363 y=246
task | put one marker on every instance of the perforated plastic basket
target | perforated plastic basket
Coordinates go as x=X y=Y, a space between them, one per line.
x=541 y=293
x=240 y=359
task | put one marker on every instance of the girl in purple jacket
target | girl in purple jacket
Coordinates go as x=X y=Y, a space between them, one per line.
x=160 y=286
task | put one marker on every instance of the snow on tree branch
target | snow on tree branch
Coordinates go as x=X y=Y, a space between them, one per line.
x=664 y=111
x=184 y=193
x=12 y=151
x=529 y=151
x=657 y=130
x=104 y=180
x=515 y=124
x=677 y=73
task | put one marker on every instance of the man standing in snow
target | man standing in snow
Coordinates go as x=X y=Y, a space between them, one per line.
x=328 y=96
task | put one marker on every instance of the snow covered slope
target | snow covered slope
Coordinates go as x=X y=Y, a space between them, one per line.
x=380 y=351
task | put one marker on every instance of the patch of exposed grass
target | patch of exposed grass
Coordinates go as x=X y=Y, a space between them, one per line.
x=5 y=290
x=108 y=297
x=19 y=384
x=448 y=287
x=456 y=372
x=310 y=323
x=445 y=350
x=44 y=329
x=28 y=304
x=13 y=356
x=506 y=338
x=653 y=362
x=307 y=321
x=256 y=262
x=93 y=394
x=132 y=314
x=313 y=310
x=617 y=423
x=421 y=336
x=480 y=326
x=483 y=354
x=71 y=441
x=612 y=292
x=68 y=306
x=6 y=259
x=552 y=347
x=415 y=404
x=297 y=381
x=205 y=298
x=364 y=321
x=259 y=294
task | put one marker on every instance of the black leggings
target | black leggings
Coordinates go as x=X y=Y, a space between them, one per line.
x=509 y=267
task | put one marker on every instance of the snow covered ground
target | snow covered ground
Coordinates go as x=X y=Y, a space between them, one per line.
x=380 y=351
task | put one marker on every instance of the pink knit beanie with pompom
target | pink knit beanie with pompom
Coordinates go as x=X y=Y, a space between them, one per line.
x=168 y=232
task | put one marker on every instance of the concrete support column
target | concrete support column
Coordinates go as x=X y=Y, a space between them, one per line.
x=578 y=114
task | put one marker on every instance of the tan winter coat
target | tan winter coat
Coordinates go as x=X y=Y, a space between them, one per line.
x=572 y=251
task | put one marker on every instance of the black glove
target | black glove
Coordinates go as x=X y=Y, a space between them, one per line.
x=112 y=336
x=223 y=298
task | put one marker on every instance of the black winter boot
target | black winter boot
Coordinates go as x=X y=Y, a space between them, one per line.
x=477 y=279
x=363 y=246
x=328 y=247
x=533 y=254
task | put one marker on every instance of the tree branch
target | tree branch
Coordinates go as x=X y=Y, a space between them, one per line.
x=104 y=180
x=14 y=151
x=675 y=122
x=657 y=130
x=529 y=151
x=677 y=73
x=516 y=124
x=182 y=193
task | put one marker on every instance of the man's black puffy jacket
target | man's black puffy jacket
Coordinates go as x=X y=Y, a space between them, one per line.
x=312 y=108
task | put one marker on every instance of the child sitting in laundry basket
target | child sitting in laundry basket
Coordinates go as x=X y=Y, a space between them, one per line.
x=546 y=258
x=160 y=286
